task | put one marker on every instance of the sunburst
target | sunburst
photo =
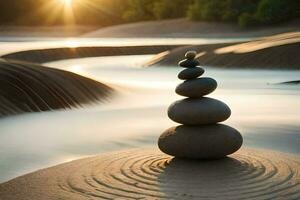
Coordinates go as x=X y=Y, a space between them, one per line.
x=66 y=2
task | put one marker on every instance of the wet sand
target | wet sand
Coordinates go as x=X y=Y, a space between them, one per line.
x=149 y=174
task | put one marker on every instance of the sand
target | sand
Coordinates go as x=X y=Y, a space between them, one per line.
x=44 y=31
x=273 y=52
x=149 y=174
x=54 y=54
x=182 y=28
x=27 y=87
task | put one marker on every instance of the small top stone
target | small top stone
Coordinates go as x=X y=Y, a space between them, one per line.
x=190 y=55
x=190 y=60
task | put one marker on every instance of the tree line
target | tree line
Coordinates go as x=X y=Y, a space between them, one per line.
x=108 y=12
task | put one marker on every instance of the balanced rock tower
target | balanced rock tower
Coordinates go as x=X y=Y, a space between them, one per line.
x=201 y=136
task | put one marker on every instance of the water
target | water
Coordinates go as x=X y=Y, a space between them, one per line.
x=267 y=114
x=15 y=44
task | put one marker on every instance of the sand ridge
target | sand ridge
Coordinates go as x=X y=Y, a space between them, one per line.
x=277 y=51
x=183 y=28
x=55 y=54
x=149 y=174
x=28 y=87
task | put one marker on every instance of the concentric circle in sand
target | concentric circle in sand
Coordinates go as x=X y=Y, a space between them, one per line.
x=149 y=174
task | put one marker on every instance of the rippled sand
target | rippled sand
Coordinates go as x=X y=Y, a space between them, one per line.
x=27 y=87
x=149 y=174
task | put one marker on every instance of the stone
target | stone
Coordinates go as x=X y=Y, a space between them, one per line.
x=198 y=111
x=189 y=63
x=201 y=136
x=190 y=73
x=200 y=142
x=190 y=55
x=196 y=87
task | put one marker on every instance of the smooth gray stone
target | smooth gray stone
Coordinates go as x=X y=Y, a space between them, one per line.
x=189 y=63
x=197 y=87
x=200 y=142
x=190 y=55
x=190 y=73
x=198 y=111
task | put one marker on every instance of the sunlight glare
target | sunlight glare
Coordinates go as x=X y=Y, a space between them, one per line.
x=72 y=43
x=78 y=69
x=68 y=11
x=66 y=2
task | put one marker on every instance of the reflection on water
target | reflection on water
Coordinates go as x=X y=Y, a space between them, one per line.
x=266 y=114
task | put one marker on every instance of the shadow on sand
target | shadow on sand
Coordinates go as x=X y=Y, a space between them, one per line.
x=228 y=178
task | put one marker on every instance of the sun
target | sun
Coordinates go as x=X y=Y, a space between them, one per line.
x=66 y=2
x=68 y=10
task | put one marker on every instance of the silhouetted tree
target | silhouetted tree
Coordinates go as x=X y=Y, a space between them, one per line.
x=109 y=12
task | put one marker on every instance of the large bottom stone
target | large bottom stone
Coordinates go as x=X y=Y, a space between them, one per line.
x=200 y=142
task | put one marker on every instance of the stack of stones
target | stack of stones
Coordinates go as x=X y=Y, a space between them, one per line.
x=201 y=136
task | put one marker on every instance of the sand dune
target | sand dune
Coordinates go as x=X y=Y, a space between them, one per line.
x=190 y=29
x=278 y=51
x=149 y=174
x=26 y=87
x=273 y=52
x=54 y=54
x=44 y=31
